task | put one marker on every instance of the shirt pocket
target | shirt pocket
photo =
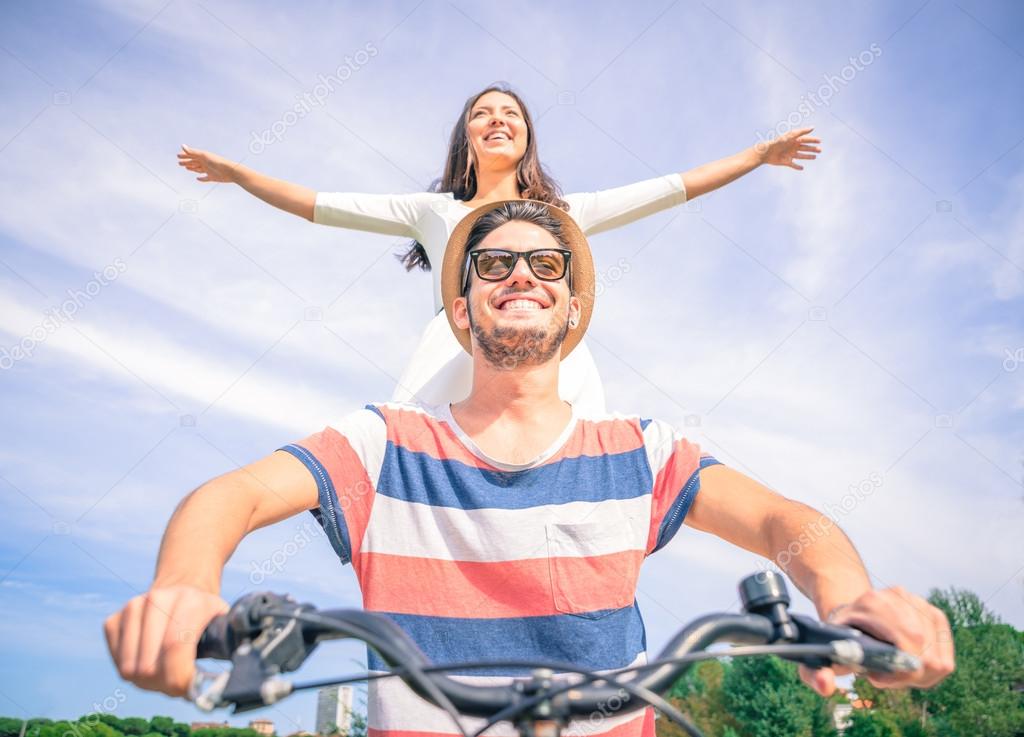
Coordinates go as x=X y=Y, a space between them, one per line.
x=593 y=566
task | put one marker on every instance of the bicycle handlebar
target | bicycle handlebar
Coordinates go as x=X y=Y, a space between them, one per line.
x=266 y=635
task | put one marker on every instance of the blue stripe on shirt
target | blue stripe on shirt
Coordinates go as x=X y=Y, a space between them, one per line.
x=611 y=641
x=418 y=477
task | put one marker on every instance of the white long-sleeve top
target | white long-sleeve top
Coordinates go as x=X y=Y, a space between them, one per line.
x=440 y=371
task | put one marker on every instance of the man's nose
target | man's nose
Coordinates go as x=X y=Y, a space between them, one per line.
x=521 y=273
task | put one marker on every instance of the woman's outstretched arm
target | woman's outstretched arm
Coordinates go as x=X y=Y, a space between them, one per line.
x=781 y=151
x=293 y=198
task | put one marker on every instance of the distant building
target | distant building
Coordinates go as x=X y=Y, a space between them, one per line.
x=842 y=713
x=334 y=710
x=207 y=725
x=264 y=727
x=841 y=717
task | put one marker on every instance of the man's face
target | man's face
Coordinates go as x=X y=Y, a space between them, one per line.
x=520 y=320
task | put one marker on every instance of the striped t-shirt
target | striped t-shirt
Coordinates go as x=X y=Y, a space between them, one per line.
x=481 y=560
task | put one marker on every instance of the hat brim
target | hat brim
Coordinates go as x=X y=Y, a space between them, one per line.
x=581 y=265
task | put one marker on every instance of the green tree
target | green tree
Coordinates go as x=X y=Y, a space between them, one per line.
x=962 y=608
x=162 y=725
x=134 y=726
x=767 y=699
x=899 y=706
x=698 y=694
x=35 y=726
x=102 y=729
x=359 y=726
x=864 y=723
x=10 y=727
x=111 y=721
x=982 y=696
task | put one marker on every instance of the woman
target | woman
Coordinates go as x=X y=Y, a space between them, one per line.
x=492 y=155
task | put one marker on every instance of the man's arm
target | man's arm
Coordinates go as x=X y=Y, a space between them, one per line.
x=210 y=522
x=823 y=564
x=152 y=640
x=808 y=545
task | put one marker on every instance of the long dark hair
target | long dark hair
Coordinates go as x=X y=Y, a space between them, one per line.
x=459 y=176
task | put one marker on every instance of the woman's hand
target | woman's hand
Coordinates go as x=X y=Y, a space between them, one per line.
x=784 y=150
x=214 y=168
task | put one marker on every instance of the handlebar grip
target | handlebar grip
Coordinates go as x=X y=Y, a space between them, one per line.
x=884 y=657
x=216 y=641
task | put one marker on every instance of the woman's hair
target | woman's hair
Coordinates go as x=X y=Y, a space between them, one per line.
x=459 y=176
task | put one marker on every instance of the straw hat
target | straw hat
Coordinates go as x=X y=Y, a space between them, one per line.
x=581 y=265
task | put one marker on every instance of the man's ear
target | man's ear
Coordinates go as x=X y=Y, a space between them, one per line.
x=460 y=313
x=575 y=311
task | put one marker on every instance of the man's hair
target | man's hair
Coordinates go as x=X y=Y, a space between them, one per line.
x=528 y=212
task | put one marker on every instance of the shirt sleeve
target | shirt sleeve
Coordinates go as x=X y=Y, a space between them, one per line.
x=675 y=464
x=387 y=214
x=597 y=212
x=345 y=462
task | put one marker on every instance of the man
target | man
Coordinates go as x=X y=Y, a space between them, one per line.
x=504 y=525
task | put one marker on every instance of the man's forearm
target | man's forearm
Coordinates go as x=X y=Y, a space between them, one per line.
x=203 y=532
x=817 y=556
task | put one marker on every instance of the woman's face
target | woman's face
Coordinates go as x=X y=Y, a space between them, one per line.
x=497 y=131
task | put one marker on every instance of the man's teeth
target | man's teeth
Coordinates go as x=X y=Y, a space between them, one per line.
x=520 y=304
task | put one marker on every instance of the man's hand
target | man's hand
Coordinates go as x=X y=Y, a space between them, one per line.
x=153 y=639
x=908 y=622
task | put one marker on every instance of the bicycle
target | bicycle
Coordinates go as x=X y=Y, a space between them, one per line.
x=265 y=635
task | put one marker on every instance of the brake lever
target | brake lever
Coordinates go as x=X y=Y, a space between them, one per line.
x=260 y=646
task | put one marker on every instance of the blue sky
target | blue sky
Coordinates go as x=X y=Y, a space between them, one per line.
x=861 y=319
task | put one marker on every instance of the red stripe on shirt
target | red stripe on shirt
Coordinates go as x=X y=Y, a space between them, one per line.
x=518 y=588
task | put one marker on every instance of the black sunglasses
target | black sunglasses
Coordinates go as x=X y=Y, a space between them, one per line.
x=495 y=264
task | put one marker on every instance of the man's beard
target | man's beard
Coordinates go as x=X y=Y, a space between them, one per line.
x=507 y=348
